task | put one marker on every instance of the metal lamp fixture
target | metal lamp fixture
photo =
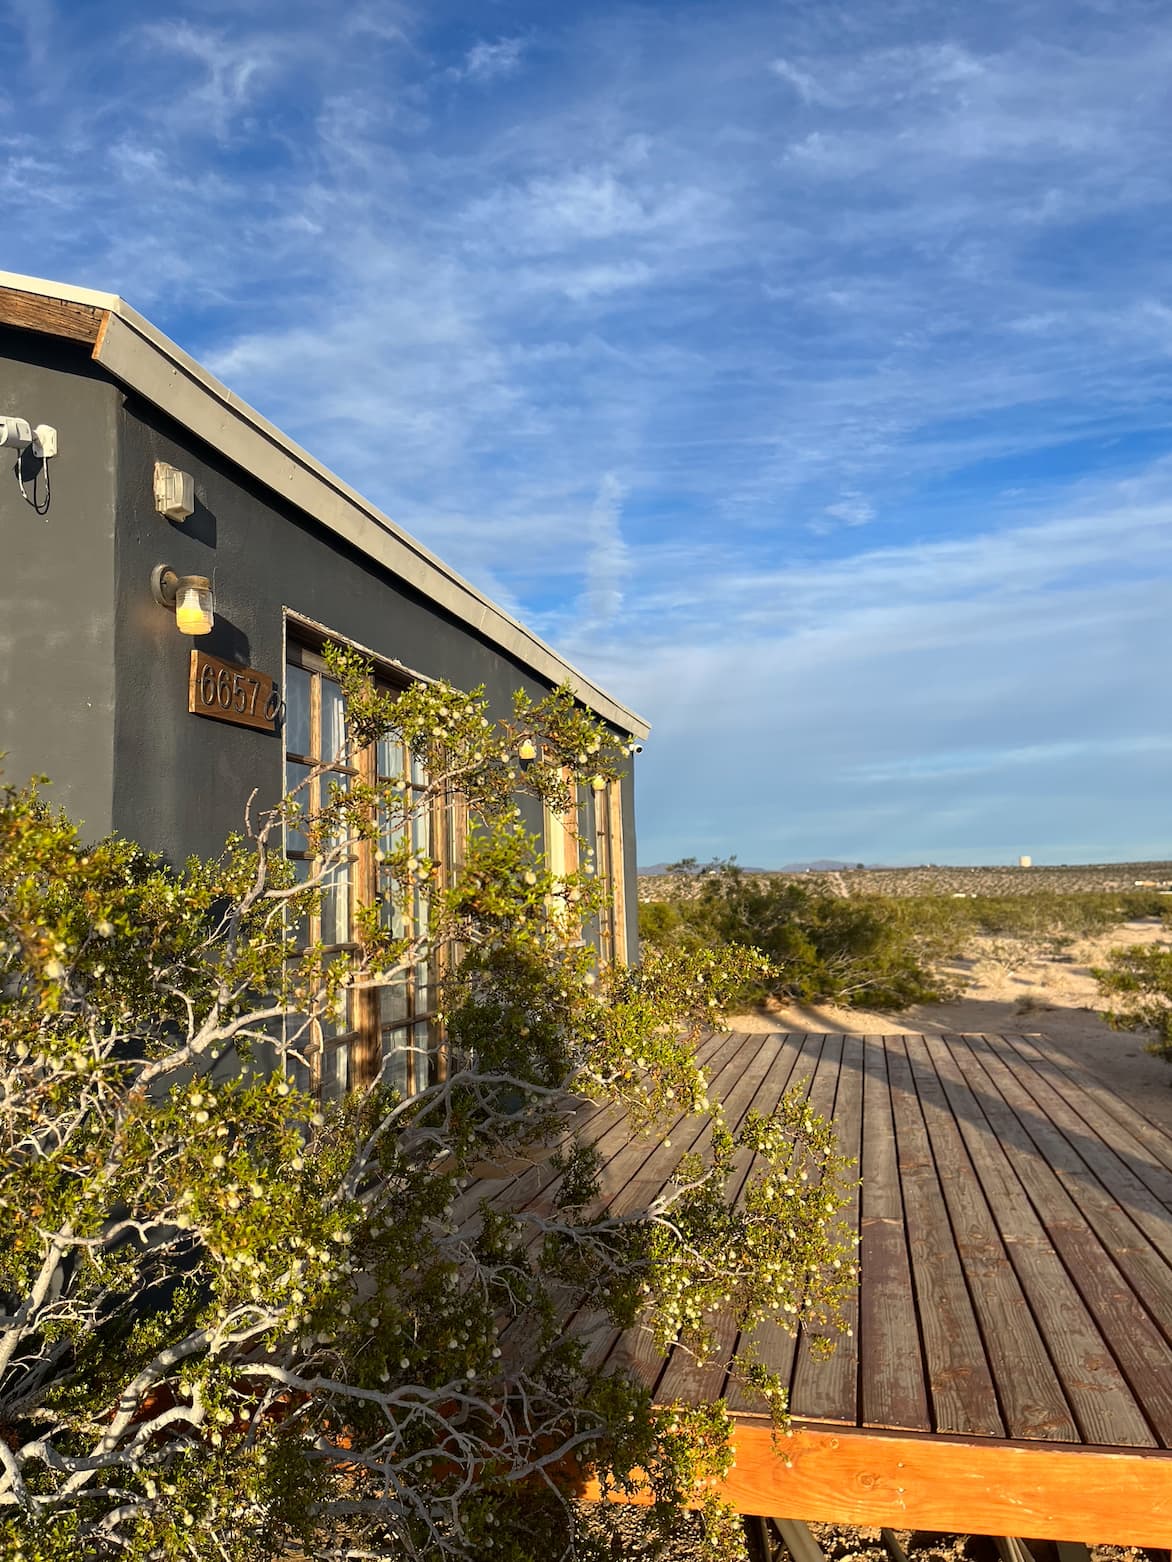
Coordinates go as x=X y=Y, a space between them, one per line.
x=189 y=597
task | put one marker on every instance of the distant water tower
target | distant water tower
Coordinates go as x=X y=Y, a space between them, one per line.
x=1025 y=862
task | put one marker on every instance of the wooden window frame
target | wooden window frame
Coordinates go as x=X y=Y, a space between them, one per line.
x=597 y=819
x=365 y=1040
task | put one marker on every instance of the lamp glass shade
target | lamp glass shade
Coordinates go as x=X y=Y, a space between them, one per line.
x=194 y=608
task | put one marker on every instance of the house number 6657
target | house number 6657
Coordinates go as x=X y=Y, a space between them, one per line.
x=227 y=693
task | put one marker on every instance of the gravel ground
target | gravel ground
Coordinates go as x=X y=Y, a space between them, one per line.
x=842 y=1543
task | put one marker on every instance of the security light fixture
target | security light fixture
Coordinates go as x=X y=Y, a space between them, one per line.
x=38 y=442
x=174 y=492
x=526 y=752
x=189 y=597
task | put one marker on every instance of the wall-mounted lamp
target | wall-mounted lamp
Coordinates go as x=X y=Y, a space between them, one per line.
x=174 y=492
x=189 y=597
x=526 y=752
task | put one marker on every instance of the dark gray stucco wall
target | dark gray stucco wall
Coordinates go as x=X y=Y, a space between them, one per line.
x=182 y=781
x=57 y=581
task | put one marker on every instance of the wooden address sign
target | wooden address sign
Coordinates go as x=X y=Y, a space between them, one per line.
x=228 y=693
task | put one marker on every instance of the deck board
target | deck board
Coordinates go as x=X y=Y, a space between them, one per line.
x=1121 y=1130
x=774 y=1341
x=1099 y=1397
x=1031 y=1395
x=1106 y=1275
x=893 y=1390
x=751 y=1087
x=830 y=1387
x=683 y=1377
x=1015 y=1290
x=1156 y=1140
x=1101 y=1168
x=960 y=1379
x=1073 y=1195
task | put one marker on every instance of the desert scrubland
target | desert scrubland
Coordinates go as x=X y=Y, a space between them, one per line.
x=929 y=879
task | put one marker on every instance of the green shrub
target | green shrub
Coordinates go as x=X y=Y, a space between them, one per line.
x=875 y=952
x=1138 y=983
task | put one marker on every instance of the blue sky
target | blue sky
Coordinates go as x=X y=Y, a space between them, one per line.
x=801 y=371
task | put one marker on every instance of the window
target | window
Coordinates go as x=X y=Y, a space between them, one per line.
x=594 y=826
x=394 y=1024
x=404 y=1009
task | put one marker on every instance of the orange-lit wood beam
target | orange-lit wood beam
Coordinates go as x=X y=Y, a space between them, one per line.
x=952 y=1484
x=53 y=316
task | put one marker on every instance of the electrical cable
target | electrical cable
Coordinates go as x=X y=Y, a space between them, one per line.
x=40 y=506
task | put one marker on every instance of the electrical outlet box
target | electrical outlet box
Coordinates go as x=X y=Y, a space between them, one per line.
x=174 y=492
x=44 y=441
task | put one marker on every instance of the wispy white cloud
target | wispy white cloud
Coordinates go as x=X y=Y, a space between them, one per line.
x=231 y=69
x=805 y=373
x=488 y=61
x=607 y=559
x=804 y=83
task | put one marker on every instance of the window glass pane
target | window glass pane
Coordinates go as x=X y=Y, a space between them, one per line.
x=335 y=783
x=302 y=868
x=335 y=1073
x=391 y=837
x=422 y=990
x=295 y=774
x=421 y=1061
x=418 y=771
x=335 y=906
x=390 y=917
x=392 y=1002
x=297 y=734
x=390 y=758
x=298 y=1032
x=333 y=720
x=391 y=829
x=396 y=1066
x=339 y=1022
x=421 y=834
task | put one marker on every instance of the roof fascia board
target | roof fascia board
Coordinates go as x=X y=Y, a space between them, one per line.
x=138 y=355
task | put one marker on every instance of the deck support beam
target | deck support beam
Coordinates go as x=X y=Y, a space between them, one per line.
x=972 y=1486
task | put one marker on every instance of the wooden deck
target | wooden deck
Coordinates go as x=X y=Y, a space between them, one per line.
x=1010 y=1366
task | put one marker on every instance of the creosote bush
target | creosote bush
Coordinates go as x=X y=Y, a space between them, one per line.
x=821 y=947
x=1137 y=984
x=874 y=951
x=235 y=1322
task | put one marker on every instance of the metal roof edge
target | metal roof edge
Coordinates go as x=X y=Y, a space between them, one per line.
x=139 y=355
